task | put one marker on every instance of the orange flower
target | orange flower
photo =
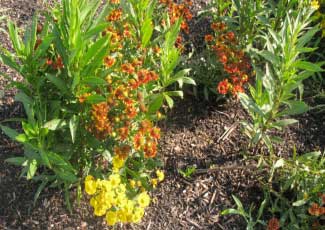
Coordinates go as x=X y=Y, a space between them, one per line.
x=223 y=86
x=127 y=68
x=138 y=141
x=123 y=133
x=231 y=36
x=273 y=224
x=208 y=38
x=115 y=15
x=109 y=61
x=155 y=133
x=150 y=149
x=115 y=1
x=122 y=151
x=314 y=209
x=214 y=26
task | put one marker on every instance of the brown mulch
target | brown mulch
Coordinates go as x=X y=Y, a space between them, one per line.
x=195 y=133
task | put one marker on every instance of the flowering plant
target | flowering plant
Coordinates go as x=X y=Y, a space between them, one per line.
x=96 y=76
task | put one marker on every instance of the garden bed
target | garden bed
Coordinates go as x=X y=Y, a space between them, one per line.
x=196 y=133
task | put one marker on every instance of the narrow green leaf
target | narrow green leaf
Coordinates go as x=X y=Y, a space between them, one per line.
x=95 y=99
x=305 y=65
x=156 y=103
x=93 y=81
x=73 y=125
x=39 y=190
x=19 y=161
x=169 y=101
x=55 y=124
x=58 y=82
x=31 y=168
x=146 y=31
x=9 y=132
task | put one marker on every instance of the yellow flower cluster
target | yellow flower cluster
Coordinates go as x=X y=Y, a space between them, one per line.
x=314 y=4
x=160 y=177
x=110 y=198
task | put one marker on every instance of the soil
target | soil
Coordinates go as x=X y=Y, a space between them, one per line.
x=197 y=133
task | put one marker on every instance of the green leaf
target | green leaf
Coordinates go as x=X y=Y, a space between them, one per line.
x=305 y=65
x=73 y=125
x=175 y=93
x=59 y=162
x=295 y=108
x=156 y=103
x=240 y=206
x=9 y=62
x=285 y=122
x=169 y=100
x=19 y=161
x=94 y=81
x=249 y=104
x=303 y=40
x=22 y=138
x=55 y=124
x=39 y=190
x=270 y=57
x=95 y=48
x=9 y=132
x=58 y=82
x=230 y=211
x=31 y=168
x=146 y=31
x=96 y=30
x=45 y=158
x=27 y=102
x=13 y=33
x=95 y=99
x=67 y=176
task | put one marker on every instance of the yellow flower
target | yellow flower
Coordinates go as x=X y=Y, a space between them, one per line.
x=132 y=183
x=111 y=218
x=154 y=182
x=90 y=185
x=314 y=4
x=115 y=180
x=121 y=215
x=117 y=163
x=143 y=199
x=99 y=210
x=93 y=202
x=160 y=174
x=137 y=215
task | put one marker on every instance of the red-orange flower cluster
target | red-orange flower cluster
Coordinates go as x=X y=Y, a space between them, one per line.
x=115 y=15
x=234 y=62
x=146 y=139
x=101 y=127
x=177 y=11
x=316 y=210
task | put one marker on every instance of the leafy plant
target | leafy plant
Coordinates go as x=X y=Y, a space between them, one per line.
x=273 y=98
x=188 y=172
x=247 y=215
x=94 y=80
